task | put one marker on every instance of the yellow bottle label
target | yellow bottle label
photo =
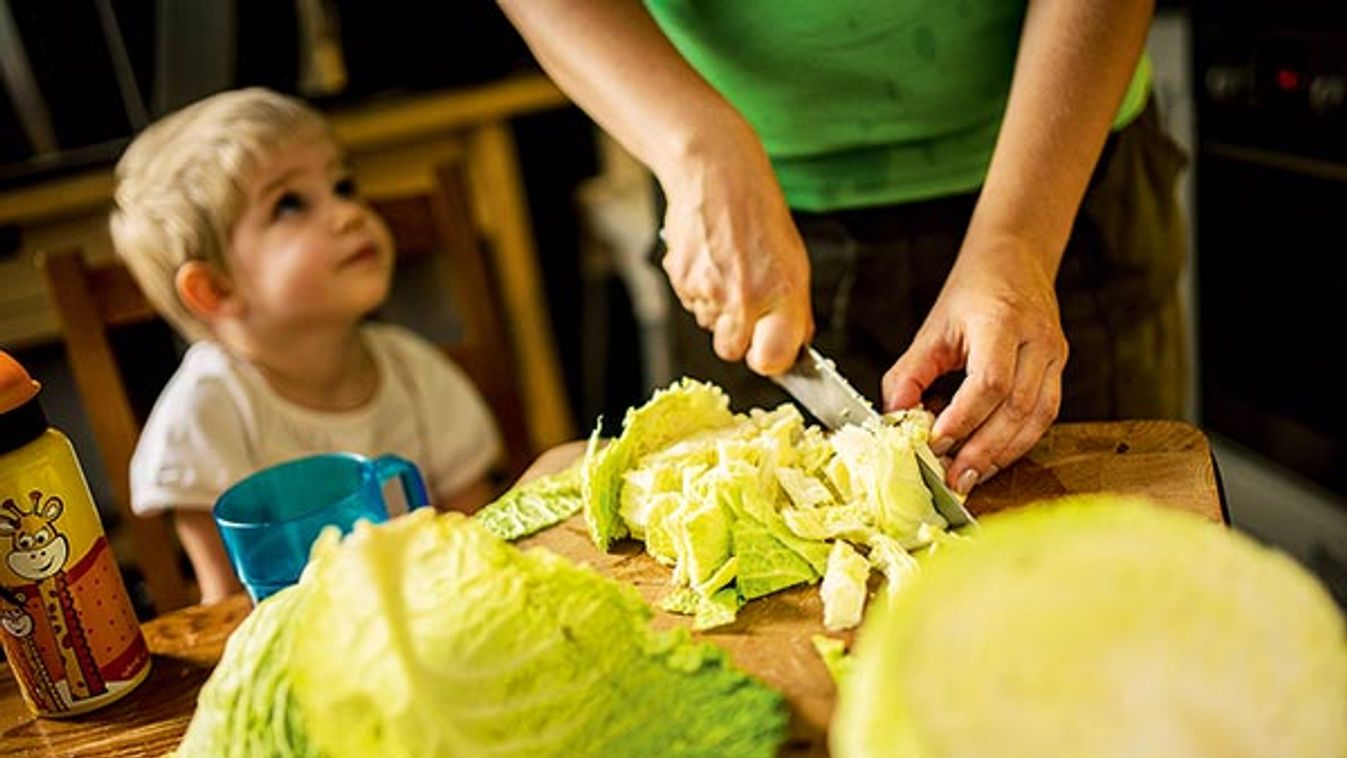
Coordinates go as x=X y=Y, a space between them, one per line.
x=74 y=642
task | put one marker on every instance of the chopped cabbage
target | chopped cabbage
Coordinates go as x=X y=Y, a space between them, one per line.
x=755 y=503
x=843 y=589
x=897 y=565
x=673 y=414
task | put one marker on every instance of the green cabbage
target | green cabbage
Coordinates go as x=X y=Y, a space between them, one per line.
x=247 y=707
x=428 y=636
x=755 y=503
x=1102 y=627
x=672 y=414
x=534 y=506
x=834 y=654
x=843 y=590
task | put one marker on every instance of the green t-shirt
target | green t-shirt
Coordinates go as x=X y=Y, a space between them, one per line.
x=864 y=102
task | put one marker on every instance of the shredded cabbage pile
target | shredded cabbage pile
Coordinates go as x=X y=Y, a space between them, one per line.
x=744 y=505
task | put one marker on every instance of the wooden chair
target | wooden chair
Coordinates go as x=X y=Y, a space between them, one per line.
x=92 y=299
x=442 y=223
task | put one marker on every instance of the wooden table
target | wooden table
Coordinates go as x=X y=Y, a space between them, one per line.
x=185 y=645
x=1168 y=461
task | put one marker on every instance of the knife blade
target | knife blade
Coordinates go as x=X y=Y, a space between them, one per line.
x=815 y=383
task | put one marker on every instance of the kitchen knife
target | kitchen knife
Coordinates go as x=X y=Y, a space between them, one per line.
x=815 y=382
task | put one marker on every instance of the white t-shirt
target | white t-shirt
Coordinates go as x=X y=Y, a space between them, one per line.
x=218 y=420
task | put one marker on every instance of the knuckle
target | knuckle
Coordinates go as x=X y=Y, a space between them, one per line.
x=730 y=341
x=1009 y=454
x=1060 y=347
x=1044 y=416
x=1020 y=405
x=994 y=383
x=1046 y=413
x=1053 y=402
x=976 y=455
x=678 y=267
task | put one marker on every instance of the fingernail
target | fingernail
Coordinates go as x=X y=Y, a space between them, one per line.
x=966 y=481
x=941 y=445
x=991 y=471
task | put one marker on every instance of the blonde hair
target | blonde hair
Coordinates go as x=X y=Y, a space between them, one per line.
x=180 y=187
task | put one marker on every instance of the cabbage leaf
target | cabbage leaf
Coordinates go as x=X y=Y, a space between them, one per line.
x=534 y=506
x=673 y=413
x=428 y=636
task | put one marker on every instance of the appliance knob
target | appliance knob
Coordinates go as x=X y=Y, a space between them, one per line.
x=1228 y=84
x=1327 y=93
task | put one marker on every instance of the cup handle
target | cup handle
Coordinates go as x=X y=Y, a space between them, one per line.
x=413 y=486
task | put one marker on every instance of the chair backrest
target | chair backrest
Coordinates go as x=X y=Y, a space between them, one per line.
x=92 y=299
x=441 y=223
x=89 y=301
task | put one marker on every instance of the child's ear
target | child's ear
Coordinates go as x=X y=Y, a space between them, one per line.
x=204 y=292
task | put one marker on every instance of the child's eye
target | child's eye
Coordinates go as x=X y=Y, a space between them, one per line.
x=345 y=187
x=287 y=203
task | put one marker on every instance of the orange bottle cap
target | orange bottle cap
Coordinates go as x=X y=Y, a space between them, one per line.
x=16 y=386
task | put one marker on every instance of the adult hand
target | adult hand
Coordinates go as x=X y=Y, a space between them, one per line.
x=997 y=319
x=735 y=258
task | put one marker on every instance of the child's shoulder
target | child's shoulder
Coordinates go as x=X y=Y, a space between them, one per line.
x=207 y=373
x=206 y=357
x=205 y=396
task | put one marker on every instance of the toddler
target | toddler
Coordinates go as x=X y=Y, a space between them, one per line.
x=239 y=218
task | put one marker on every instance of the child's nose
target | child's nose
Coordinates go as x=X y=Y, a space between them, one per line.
x=349 y=215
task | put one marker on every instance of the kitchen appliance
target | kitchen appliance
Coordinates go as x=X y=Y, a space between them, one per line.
x=1271 y=172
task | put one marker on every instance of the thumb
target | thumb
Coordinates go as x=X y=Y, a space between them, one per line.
x=777 y=338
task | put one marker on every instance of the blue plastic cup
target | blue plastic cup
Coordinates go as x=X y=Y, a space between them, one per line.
x=270 y=519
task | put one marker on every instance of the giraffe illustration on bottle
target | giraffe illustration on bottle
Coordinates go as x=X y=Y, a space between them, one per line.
x=38 y=552
x=19 y=624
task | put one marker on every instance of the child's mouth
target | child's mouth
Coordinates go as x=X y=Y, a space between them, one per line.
x=365 y=254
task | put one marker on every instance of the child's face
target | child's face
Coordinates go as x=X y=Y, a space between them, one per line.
x=307 y=251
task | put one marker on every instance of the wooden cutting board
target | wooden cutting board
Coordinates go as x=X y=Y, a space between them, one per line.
x=1170 y=462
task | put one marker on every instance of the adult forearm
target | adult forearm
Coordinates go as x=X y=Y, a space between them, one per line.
x=733 y=256
x=612 y=59
x=1076 y=58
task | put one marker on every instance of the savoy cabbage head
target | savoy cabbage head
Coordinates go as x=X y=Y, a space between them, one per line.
x=1100 y=626
x=428 y=636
